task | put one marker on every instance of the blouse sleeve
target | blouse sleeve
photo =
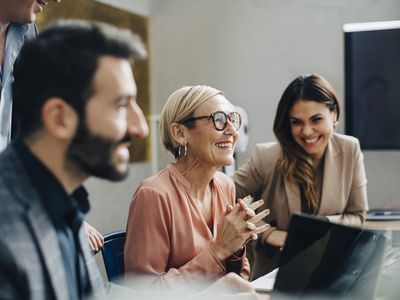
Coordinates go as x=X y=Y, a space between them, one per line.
x=357 y=204
x=147 y=245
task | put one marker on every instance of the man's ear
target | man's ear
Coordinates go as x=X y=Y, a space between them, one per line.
x=59 y=118
x=178 y=133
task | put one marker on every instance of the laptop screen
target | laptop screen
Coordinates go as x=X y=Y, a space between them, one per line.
x=322 y=258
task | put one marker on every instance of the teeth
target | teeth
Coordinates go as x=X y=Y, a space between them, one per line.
x=310 y=141
x=224 y=145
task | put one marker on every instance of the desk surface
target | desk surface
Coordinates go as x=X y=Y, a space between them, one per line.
x=382 y=225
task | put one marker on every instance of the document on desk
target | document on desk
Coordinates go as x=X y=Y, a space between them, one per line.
x=265 y=283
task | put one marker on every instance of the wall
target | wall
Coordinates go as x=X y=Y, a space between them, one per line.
x=110 y=200
x=141 y=7
x=252 y=49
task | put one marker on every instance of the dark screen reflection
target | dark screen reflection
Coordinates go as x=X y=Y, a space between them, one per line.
x=330 y=260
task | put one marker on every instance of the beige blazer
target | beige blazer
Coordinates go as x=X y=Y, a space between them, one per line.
x=343 y=196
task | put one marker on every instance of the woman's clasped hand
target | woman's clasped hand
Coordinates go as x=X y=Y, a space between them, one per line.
x=238 y=226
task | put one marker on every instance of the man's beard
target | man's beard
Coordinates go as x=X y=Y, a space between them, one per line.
x=93 y=154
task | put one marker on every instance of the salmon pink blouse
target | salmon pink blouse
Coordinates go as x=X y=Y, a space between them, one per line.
x=167 y=234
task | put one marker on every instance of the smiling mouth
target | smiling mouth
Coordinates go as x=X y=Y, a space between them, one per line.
x=309 y=141
x=224 y=145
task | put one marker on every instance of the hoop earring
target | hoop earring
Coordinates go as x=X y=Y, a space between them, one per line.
x=182 y=153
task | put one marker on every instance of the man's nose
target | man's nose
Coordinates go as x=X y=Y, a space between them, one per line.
x=137 y=125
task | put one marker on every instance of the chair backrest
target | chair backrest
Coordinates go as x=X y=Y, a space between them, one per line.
x=113 y=254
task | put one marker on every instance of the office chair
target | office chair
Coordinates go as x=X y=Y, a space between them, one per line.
x=113 y=254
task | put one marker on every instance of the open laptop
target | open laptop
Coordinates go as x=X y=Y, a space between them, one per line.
x=328 y=260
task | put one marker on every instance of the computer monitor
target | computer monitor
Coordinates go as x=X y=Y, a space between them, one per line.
x=372 y=81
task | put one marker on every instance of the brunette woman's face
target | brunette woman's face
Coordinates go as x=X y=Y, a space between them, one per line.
x=312 y=126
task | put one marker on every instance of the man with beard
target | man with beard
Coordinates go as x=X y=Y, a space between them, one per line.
x=75 y=93
x=17 y=19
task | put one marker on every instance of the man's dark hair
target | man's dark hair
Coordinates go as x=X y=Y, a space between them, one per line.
x=62 y=62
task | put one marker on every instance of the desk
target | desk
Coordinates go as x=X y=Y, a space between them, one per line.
x=393 y=225
x=382 y=225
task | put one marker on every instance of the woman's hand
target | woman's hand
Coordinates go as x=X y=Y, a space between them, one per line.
x=277 y=238
x=237 y=227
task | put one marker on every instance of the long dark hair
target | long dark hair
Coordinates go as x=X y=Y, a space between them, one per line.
x=295 y=161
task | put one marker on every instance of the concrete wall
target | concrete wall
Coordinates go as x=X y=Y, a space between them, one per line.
x=250 y=50
x=140 y=7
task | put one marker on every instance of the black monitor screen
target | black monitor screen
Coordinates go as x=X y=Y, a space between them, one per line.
x=372 y=83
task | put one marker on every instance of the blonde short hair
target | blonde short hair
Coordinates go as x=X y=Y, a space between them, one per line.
x=180 y=106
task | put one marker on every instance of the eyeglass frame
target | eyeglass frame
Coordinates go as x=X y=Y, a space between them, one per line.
x=211 y=116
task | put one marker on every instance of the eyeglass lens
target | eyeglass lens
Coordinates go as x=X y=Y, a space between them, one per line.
x=221 y=119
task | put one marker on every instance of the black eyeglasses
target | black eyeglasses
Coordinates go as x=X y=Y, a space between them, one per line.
x=220 y=120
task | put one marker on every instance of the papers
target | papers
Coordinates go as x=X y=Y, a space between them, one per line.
x=265 y=283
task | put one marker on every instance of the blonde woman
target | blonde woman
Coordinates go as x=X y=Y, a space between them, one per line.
x=184 y=220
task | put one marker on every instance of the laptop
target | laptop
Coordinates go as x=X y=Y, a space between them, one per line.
x=383 y=215
x=328 y=260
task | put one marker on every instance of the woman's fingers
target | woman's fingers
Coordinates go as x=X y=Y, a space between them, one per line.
x=248 y=207
x=244 y=203
x=228 y=209
x=247 y=200
x=95 y=239
x=256 y=204
x=99 y=238
x=262 y=228
x=256 y=231
x=92 y=245
x=250 y=226
x=249 y=212
x=259 y=217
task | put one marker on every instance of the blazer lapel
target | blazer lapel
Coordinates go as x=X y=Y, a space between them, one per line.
x=42 y=228
x=46 y=238
x=332 y=175
x=293 y=195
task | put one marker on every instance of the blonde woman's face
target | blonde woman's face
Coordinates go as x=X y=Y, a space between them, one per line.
x=205 y=143
x=311 y=125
